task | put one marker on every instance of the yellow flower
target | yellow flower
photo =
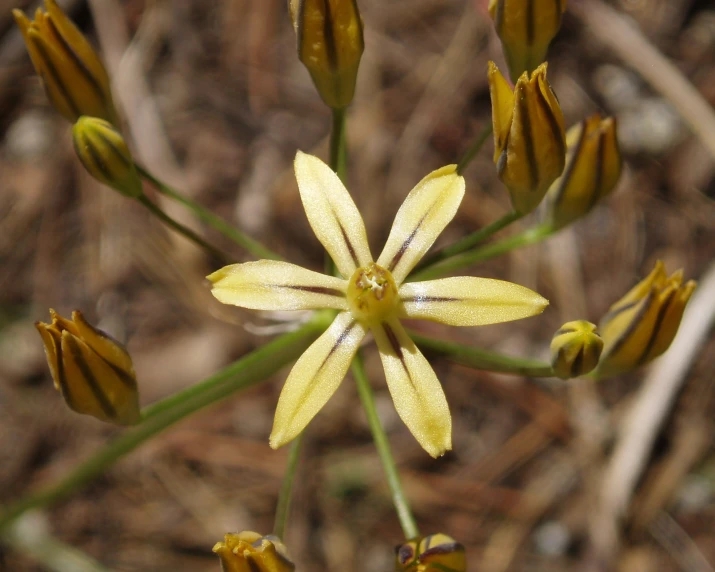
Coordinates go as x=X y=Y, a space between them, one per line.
x=91 y=370
x=73 y=75
x=526 y=28
x=103 y=152
x=593 y=166
x=330 y=44
x=250 y=552
x=432 y=553
x=575 y=349
x=529 y=139
x=372 y=296
x=642 y=324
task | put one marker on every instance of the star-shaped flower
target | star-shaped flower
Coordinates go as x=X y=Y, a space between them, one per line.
x=372 y=296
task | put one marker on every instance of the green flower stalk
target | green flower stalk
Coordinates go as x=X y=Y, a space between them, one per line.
x=432 y=553
x=104 y=153
x=372 y=296
x=250 y=552
x=74 y=77
x=641 y=325
x=330 y=45
x=526 y=28
x=593 y=167
x=529 y=138
x=575 y=349
x=92 y=371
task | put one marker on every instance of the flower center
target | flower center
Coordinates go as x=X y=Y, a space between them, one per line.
x=372 y=294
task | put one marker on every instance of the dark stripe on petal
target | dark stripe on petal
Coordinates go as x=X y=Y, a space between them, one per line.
x=79 y=64
x=123 y=376
x=329 y=37
x=558 y=12
x=635 y=321
x=56 y=80
x=341 y=339
x=421 y=298
x=528 y=135
x=312 y=289
x=657 y=326
x=91 y=380
x=116 y=152
x=499 y=16
x=98 y=161
x=299 y=28
x=564 y=331
x=613 y=313
x=405 y=245
x=61 y=376
x=397 y=348
x=446 y=548
x=346 y=238
x=252 y=564
x=551 y=118
x=577 y=362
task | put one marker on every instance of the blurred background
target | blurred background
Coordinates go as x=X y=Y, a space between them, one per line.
x=217 y=103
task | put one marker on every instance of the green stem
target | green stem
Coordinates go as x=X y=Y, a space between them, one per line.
x=529 y=236
x=478 y=358
x=338 y=147
x=244 y=241
x=181 y=229
x=404 y=513
x=284 y=498
x=468 y=241
x=240 y=375
x=475 y=148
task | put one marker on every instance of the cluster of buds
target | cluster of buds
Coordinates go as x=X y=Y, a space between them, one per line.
x=529 y=138
x=432 y=553
x=250 y=552
x=91 y=370
x=330 y=45
x=77 y=85
x=641 y=325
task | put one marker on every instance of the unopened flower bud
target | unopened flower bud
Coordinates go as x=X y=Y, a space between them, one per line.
x=91 y=370
x=575 y=349
x=593 y=166
x=526 y=28
x=433 y=553
x=73 y=75
x=330 y=44
x=104 y=153
x=250 y=552
x=642 y=324
x=529 y=139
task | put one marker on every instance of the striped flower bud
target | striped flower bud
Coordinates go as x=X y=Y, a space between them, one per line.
x=73 y=75
x=593 y=166
x=104 y=153
x=91 y=370
x=575 y=349
x=526 y=28
x=250 y=552
x=432 y=553
x=529 y=139
x=642 y=324
x=330 y=44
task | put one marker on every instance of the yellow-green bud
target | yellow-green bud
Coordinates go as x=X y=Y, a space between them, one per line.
x=642 y=324
x=593 y=166
x=250 y=552
x=73 y=75
x=575 y=349
x=330 y=44
x=432 y=553
x=91 y=370
x=529 y=138
x=526 y=28
x=104 y=153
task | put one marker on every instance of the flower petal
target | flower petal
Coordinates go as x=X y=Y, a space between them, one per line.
x=468 y=301
x=332 y=214
x=415 y=389
x=422 y=217
x=275 y=285
x=315 y=377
